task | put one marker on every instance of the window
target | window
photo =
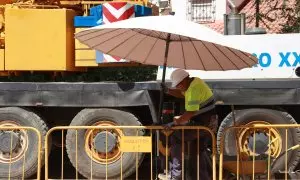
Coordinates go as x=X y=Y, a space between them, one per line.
x=201 y=11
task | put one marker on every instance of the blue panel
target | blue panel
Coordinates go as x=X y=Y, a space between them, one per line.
x=86 y=21
x=99 y=57
x=96 y=11
x=94 y=19
x=142 y=11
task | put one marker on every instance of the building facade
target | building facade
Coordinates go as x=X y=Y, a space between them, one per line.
x=274 y=13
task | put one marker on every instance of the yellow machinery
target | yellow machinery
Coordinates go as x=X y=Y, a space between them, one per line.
x=43 y=44
x=39 y=36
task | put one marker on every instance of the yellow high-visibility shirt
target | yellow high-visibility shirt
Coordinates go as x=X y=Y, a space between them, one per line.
x=197 y=95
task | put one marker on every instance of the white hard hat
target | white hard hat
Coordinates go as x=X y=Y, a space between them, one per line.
x=177 y=76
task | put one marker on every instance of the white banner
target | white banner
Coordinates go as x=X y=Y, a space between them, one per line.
x=278 y=54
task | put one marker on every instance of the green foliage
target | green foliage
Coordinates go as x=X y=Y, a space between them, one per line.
x=281 y=10
x=276 y=9
x=293 y=23
x=125 y=74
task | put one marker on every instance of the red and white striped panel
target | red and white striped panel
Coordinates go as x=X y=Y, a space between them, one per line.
x=108 y=58
x=116 y=11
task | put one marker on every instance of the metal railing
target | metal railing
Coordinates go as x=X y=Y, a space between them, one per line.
x=10 y=160
x=127 y=144
x=201 y=11
x=257 y=164
x=251 y=161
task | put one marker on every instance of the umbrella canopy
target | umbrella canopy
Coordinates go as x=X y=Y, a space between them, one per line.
x=166 y=40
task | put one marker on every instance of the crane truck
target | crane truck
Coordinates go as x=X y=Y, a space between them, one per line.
x=38 y=37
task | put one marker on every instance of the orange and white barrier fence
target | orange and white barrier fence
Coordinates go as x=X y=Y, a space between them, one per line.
x=17 y=150
x=259 y=151
x=114 y=152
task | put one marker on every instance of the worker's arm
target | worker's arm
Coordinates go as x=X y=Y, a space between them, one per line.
x=175 y=92
x=184 y=118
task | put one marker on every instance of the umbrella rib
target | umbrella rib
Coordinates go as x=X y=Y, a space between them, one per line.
x=225 y=55
x=156 y=39
x=136 y=45
x=83 y=33
x=200 y=59
x=238 y=56
x=97 y=35
x=161 y=35
x=136 y=33
x=109 y=39
x=248 y=56
x=155 y=34
x=182 y=53
x=212 y=56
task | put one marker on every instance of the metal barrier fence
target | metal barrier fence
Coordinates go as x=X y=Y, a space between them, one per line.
x=125 y=142
x=10 y=158
x=252 y=158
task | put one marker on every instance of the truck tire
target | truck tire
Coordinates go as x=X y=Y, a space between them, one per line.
x=102 y=117
x=247 y=116
x=16 y=116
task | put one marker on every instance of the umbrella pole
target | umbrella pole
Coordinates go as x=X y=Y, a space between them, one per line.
x=161 y=101
x=163 y=86
x=162 y=92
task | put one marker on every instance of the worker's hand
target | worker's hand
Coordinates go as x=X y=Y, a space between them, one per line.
x=180 y=120
x=168 y=126
x=176 y=117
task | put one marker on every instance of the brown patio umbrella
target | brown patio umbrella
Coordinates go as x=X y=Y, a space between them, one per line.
x=165 y=40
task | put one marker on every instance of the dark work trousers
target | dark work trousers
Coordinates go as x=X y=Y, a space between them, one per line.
x=205 y=168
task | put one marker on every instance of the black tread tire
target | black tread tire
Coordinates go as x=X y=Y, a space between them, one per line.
x=24 y=118
x=88 y=117
x=272 y=116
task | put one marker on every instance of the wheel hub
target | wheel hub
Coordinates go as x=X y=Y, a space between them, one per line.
x=8 y=141
x=95 y=146
x=267 y=140
x=261 y=143
x=13 y=143
x=100 y=142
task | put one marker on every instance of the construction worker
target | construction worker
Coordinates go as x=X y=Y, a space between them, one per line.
x=199 y=110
